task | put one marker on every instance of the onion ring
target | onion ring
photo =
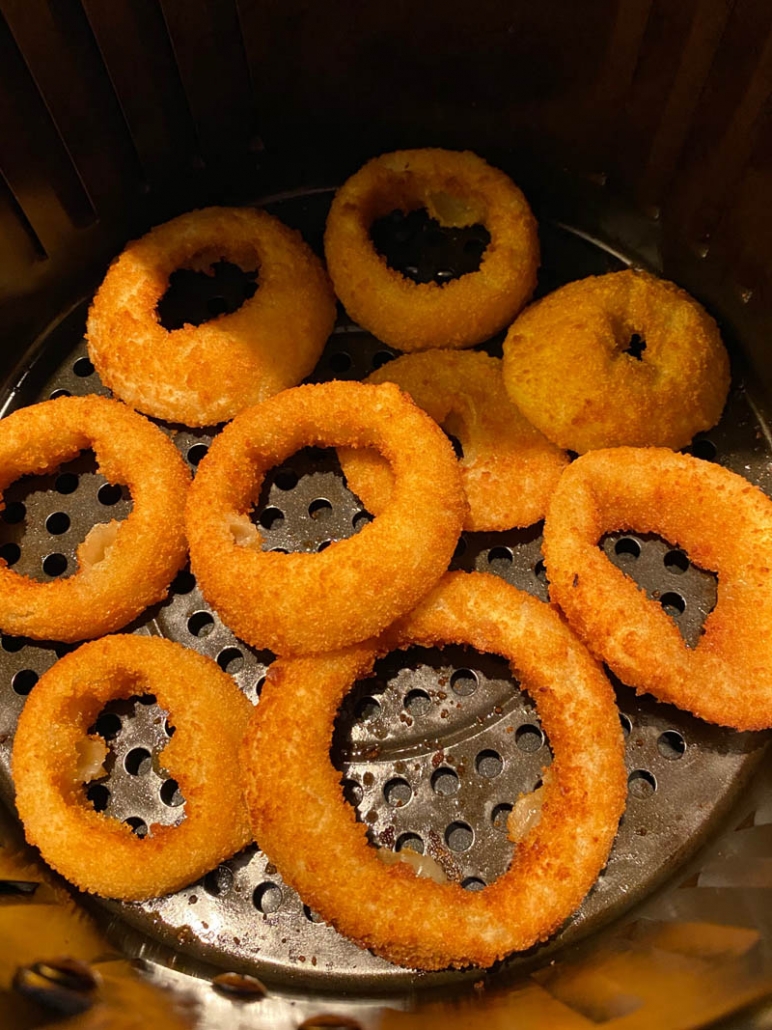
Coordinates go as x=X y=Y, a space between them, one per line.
x=93 y=851
x=124 y=567
x=457 y=188
x=509 y=469
x=299 y=816
x=202 y=375
x=299 y=603
x=723 y=523
x=567 y=368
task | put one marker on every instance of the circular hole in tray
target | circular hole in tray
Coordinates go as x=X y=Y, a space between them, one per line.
x=267 y=897
x=676 y=562
x=10 y=553
x=14 y=513
x=55 y=564
x=109 y=494
x=231 y=660
x=459 y=837
x=499 y=816
x=627 y=549
x=24 y=681
x=489 y=764
x=445 y=781
x=83 y=368
x=138 y=762
x=219 y=882
x=410 y=842
x=200 y=624
x=397 y=792
x=641 y=783
x=58 y=523
x=529 y=738
x=170 y=794
x=673 y=604
x=66 y=483
x=671 y=745
x=99 y=796
x=464 y=682
x=418 y=702
x=197 y=453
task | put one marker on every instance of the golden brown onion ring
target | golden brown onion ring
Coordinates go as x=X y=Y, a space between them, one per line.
x=457 y=188
x=566 y=364
x=508 y=468
x=201 y=375
x=125 y=567
x=93 y=851
x=723 y=523
x=304 y=603
x=302 y=822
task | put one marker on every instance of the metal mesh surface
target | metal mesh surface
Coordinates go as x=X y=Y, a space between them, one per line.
x=436 y=747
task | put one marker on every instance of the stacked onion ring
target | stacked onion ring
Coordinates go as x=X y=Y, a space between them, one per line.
x=303 y=603
x=508 y=468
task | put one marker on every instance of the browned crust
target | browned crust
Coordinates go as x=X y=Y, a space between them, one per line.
x=150 y=546
x=202 y=375
x=101 y=854
x=305 y=603
x=509 y=469
x=566 y=368
x=302 y=822
x=458 y=188
x=723 y=523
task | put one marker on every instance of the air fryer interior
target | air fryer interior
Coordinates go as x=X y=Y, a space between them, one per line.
x=171 y=106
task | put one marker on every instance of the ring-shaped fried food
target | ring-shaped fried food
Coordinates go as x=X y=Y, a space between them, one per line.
x=457 y=188
x=305 y=603
x=723 y=523
x=573 y=367
x=299 y=816
x=205 y=374
x=123 y=566
x=508 y=468
x=53 y=755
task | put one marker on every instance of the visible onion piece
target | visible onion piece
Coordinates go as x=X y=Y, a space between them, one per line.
x=245 y=533
x=422 y=865
x=98 y=544
x=526 y=812
x=92 y=753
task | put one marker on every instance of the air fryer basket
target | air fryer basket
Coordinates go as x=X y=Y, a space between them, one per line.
x=641 y=135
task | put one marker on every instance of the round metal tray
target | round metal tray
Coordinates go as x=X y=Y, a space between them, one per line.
x=435 y=749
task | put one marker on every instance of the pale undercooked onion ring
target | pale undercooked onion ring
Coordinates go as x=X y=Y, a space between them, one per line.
x=723 y=523
x=568 y=369
x=300 y=603
x=93 y=851
x=508 y=468
x=124 y=567
x=201 y=375
x=458 y=189
x=302 y=822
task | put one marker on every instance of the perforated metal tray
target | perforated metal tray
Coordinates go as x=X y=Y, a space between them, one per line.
x=434 y=750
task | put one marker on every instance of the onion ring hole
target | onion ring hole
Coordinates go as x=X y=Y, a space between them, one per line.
x=417 y=246
x=64 y=505
x=194 y=297
x=386 y=791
